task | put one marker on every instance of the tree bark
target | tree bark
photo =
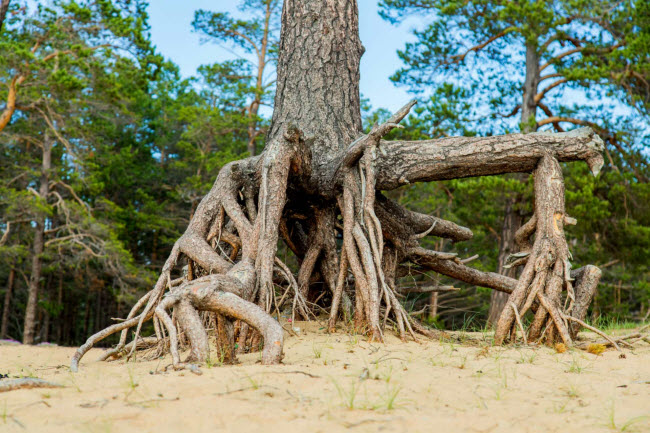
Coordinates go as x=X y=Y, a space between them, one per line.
x=5 y=309
x=262 y=61
x=61 y=316
x=318 y=80
x=531 y=82
x=38 y=247
x=4 y=7
x=459 y=157
x=511 y=222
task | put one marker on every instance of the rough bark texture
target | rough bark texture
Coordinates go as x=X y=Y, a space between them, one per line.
x=317 y=187
x=547 y=271
x=459 y=157
x=531 y=83
x=318 y=80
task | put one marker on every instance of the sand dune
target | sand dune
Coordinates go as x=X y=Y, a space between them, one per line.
x=338 y=382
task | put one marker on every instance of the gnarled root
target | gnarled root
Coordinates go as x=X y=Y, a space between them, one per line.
x=231 y=243
x=363 y=241
x=215 y=293
x=547 y=272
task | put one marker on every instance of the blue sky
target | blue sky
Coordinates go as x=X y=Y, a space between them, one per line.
x=171 y=32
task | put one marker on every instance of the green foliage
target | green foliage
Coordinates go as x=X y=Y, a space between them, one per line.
x=470 y=56
x=134 y=149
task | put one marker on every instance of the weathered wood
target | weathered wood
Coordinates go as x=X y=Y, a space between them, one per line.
x=26 y=383
x=547 y=271
x=458 y=157
x=318 y=81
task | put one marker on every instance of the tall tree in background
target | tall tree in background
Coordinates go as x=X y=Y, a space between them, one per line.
x=523 y=58
x=256 y=37
x=70 y=86
x=4 y=8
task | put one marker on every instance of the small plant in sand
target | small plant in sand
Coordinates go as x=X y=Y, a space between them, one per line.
x=353 y=340
x=497 y=355
x=210 y=362
x=437 y=361
x=575 y=366
x=632 y=424
x=463 y=362
x=389 y=399
x=254 y=383
x=572 y=391
x=527 y=357
x=560 y=407
x=73 y=382
x=132 y=383
x=317 y=349
x=498 y=392
x=347 y=396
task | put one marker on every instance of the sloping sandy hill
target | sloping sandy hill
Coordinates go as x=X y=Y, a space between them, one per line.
x=338 y=382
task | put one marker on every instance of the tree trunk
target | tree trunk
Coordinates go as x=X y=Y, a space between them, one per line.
x=529 y=106
x=39 y=245
x=253 y=131
x=5 y=309
x=511 y=222
x=512 y=218
x=318 y=77
x=98 y=309
x=4 y=7
x=61 y=306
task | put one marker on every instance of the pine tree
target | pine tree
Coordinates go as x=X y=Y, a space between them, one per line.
x=524 y=58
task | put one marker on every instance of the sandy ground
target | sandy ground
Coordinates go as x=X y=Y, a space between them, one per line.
x=338 y=382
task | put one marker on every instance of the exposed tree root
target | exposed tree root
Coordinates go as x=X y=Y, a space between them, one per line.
x=317 y=187
x=547 y=271
x=26 y=383
x=233 y=271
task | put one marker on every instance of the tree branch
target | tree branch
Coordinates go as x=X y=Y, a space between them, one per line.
x=405 y=162
x=560 y=57
x=549 y=113
x=8 y=112
x=577 y=50
x=461 y=57
x=459 y=271
x=551 y=86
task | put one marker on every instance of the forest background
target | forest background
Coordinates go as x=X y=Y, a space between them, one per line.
x=106 y=148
